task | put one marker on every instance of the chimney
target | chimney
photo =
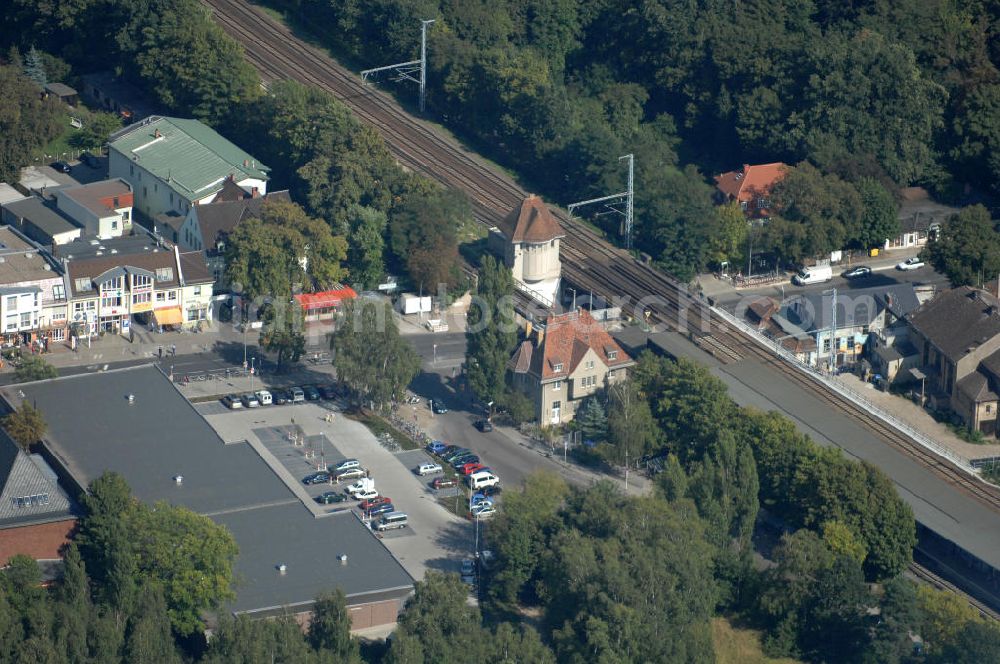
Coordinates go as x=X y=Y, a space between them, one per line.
x=539 y=336
x=254 y=192
x=157 y=134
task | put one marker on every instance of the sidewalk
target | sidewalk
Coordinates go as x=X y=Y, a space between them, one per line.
x=723 y=289
x=919 y=419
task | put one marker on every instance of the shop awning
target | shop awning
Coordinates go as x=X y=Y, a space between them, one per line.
x=168 y=316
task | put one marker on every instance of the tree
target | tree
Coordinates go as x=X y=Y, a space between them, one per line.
x=632 y=432
x=32 y=368
x=27 y=122
x=330 y=627
x=975 y=642
x=591 y=420
x=365 y=255
x=491 y=331
x=25 y=425
x=899 y=617
x=369 y=355
x=943 y=615
x=283 y=331
x=968 y=249
x=97 y=127
x=34 y=67
x=879 y=220
x=729 y=235
x=423 y=236
x=148 y=639
x=285 y=248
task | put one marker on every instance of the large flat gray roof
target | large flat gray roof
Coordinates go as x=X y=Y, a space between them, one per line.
x=93 y=428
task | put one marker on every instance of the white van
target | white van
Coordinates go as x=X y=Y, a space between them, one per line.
x=816 y=274
x=391 y=521
x=482 y=479
x=264 y=397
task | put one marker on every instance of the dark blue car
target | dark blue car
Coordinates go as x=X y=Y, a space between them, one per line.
x=381 y=509
x=436 y=447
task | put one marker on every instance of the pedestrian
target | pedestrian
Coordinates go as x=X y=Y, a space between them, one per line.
x=161 y=352
x=173 y=349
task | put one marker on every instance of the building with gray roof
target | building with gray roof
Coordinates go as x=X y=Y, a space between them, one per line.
x=122 y=428
x=41 y=221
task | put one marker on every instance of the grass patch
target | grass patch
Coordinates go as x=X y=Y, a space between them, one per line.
x=734 y=645
x=378 y=426
x=59 y=147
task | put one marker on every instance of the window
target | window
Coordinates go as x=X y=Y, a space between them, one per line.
x=588 y=381
x=58 y=335
x=115 y=283
x=556 y=386
x=141 y=281
x=557 y=367
x=989 y=409
x=826 y=345
x=612 y=355
x=142 y=298
x=26 y=319
x=10 y=325
x=172 y=296
x=131 y=169
x=113 y=300
x=171 y=199
x=12 y=302
x=58 y=292
x=59 y=315
x=196 y=290
x=197 y=314
x=590 y=364
x=125 y=216
x=115 y=201
x=83 y=284
x=78 y=307
x=30 y=501
x=114 y=224
x=161 y=297
x=164 y=274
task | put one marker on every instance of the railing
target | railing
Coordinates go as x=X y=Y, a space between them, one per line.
x=922 y=439
x=533 y=294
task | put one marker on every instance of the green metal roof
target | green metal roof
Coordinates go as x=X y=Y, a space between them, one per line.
x=193 y=157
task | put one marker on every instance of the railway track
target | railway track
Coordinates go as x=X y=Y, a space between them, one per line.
x=589 y=261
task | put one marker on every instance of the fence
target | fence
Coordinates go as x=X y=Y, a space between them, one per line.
x=919 y=437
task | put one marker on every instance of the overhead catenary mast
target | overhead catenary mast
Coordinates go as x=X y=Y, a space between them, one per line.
x=613 y=201
x=414 y=70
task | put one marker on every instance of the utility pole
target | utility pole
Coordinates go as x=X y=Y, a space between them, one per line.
x=833 y=328
x=413 y=70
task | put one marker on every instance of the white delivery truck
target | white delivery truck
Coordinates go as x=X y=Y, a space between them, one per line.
x=414 y=304
x=815 y=274
x=482 y=479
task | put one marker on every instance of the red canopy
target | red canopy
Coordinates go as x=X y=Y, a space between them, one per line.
x=325 y=299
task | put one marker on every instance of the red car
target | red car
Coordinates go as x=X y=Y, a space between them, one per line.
x=469 y=468
x=366 y=505
x=444 y=482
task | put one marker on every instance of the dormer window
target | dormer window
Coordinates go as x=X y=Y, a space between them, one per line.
x=557 y=367
x=612 y=355
x=83 y=284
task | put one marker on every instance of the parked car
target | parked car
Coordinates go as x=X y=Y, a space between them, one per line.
x=374 y=502
x=451 y=456
x=469 y=581
x=491 y=491
x=436 y=447
x=444 y=483
x=348 y=475
x=484 y=425
x=362 y=484
x=912 y=263
x=328 y=392
x=265 y=398
x=316 y=478
x=483 y=511
x=449 y=449
x=468 y=567
x=250 y=400
x=380 y=509
x=330 y=497
x=90 y=160
x=297 y=395
x=479 y=498
x=232 y=401
x=312 y=394
x=471 y=467
x=486 y=558
x=857 y=272
x=428 y=469
x=391 y=521
x=280 y=397
x=482 y=479
x=61 y=166
x=366 y=494
x=464 y=459
x=438 y=407
x=346 y=464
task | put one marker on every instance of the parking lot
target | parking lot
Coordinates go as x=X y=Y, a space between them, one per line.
x=434 y=539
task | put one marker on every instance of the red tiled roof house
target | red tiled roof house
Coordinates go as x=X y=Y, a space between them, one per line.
x=570 y=360
x=751 y=187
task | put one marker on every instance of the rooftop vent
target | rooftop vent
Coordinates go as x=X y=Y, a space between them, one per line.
x=2 y=259
x=28 y=254
x=131 y=398
x=178 y=479
x=282 y=568
x=342 y=558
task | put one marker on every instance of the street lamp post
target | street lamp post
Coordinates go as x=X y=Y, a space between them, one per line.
x=435 y=346
x=252 y=360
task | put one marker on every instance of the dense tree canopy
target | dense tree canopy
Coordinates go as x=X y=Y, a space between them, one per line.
x=27 y=122
x=491 y=331
x=968 y=251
